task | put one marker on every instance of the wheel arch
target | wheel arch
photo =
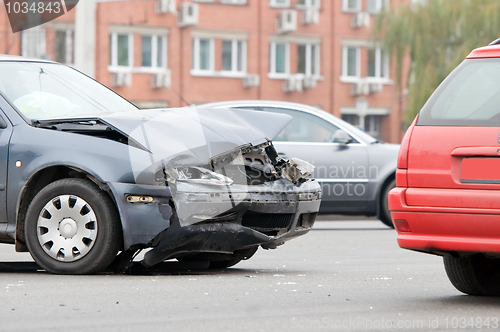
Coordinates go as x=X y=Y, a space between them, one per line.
x=37 y=182
x=385 y=183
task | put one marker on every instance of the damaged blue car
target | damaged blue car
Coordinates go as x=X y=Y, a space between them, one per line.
x=88 y=180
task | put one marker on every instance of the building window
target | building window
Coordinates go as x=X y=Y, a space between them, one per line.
x=203 y=54
x=352 y=119
x=375 y=6
x=121 y=50
x=233 y=56
x=153 y=50
x=372 y=125
x=33 y=43
x=378 y=63
x=280 y=58
x=368 y=123
x=351 y=5
x=308 y=59
x=309 y=3
x=350 y=61
x=64 y=50
x=279 y=3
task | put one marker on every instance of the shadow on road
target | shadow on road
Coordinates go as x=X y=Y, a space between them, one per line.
x=464 y=299
x=164 y=268
x=351 y=229
x=19 y=267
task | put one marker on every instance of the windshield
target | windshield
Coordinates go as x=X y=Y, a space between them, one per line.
x=468 y=97
x=42 y=91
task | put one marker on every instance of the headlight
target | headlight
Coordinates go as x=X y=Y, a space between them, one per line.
x=197 y=175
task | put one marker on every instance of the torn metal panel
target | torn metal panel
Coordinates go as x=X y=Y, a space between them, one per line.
x=200 y=193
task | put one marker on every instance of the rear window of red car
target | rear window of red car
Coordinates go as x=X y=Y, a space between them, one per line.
x=469 y=96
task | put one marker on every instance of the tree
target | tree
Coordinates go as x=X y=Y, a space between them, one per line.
x=438 y=35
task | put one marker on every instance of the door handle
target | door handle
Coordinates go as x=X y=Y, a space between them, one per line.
x=493 y=151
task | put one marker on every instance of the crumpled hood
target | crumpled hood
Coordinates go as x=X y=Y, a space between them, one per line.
x=193 y=135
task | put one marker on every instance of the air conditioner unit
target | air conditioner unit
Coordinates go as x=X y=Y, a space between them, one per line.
x=360 y=88
x=251 y=81
x=310 y=82
x=375 y=87
x=293 y=83
x=165 y=6
x=360 y=20
x=188 y=14
x=310 y=16
x=287 y=21
x=161 y=80
x=121 y=79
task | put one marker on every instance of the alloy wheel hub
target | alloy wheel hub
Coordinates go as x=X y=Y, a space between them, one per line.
x=68 y=228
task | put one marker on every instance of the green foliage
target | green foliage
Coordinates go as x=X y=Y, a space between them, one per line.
x=438 y=35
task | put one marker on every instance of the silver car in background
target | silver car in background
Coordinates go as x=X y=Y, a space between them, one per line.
x=355 y=170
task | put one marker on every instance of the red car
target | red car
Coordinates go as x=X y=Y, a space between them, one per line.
x=447 y=199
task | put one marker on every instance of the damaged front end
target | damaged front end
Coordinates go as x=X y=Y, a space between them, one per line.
x=241 y=199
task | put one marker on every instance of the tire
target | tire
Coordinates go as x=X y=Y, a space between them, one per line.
x=474 y=275
x=385 y=214
x=72 y=227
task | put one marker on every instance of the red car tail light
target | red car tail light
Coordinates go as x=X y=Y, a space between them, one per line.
x=402 y=226
x=405 y=144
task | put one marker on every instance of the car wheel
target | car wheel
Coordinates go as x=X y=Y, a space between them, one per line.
x=72 y=227
x=239 y=256
x=385 y=214
x=474 y=275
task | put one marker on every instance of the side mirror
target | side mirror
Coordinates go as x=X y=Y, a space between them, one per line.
x=342 y=137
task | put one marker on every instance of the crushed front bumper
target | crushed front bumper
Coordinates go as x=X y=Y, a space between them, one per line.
x=217 y=221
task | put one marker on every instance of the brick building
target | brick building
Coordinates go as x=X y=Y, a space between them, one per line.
x=160 y=53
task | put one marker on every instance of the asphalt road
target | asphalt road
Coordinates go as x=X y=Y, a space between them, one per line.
x=343 y=275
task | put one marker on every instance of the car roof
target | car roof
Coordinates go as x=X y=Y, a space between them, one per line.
x=268 y=103
x=360 y=136
x=485 y=52
x=7 y=57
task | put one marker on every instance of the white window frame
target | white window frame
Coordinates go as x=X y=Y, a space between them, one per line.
x=378 y=7
x=345 y=77
x=274 y=4
x=195 y=67
x=309 y=48
x=310 y=4
x=345 y=7
x=154 y=53
x=234 y=58
x=272 y=61
x=379 y=58
x=114 y=67
x=234 y=2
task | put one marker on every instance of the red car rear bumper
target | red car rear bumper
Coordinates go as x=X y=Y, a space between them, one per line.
x=438 y=229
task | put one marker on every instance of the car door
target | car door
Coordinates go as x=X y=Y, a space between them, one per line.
x=5 y=133
x=341 y=169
